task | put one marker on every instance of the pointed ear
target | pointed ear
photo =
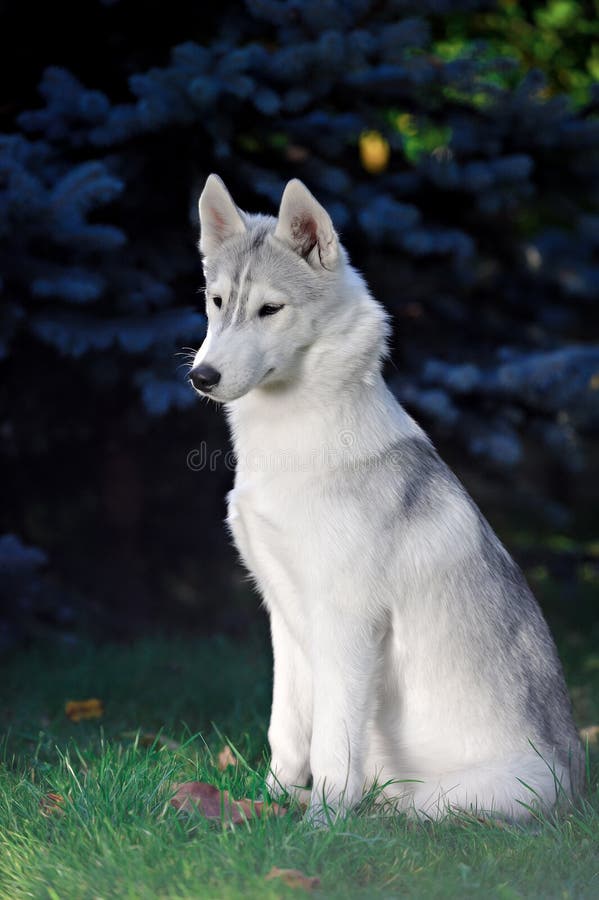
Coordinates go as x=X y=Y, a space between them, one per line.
x=306 y=227
x=219 y=216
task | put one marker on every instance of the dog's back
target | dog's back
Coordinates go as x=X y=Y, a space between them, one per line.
x=480 y=677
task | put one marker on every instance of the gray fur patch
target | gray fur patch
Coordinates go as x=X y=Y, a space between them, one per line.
x=270 y=261
x=404 y=481
x=424 y=472
x=522 y=635
x=238 y=251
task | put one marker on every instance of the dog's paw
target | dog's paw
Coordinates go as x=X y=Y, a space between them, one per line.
x=323 y=810
x=278 y=788
x=319 y=816
x=275 y=786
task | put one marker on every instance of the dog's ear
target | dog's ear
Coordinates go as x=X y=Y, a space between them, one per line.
x=306 y=227
x=219 y=216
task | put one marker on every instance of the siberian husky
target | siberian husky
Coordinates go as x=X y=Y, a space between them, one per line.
x=409 y=652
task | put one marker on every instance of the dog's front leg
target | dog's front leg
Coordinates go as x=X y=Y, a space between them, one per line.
x=344 y=656
x=291 y=717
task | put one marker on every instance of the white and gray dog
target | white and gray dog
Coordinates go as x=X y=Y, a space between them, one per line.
x=409 y=651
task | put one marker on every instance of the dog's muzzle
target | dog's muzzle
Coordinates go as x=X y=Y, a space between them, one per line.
x=204 y=377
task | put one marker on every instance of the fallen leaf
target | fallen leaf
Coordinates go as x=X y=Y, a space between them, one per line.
x=293 y=878
x=52 y=804
x=257 y=808
x=84 y=709
x=226 y=758
x=197 y=796
x=590 y=734
x=212 y=803
x=152 y=739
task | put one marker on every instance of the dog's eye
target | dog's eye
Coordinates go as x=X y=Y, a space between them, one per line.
x=269 y=310
x=218 y=302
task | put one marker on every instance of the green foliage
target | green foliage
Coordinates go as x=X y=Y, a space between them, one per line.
x=420 y=136
x=559 y=37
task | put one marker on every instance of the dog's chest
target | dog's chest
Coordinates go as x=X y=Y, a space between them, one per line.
x=270 y=529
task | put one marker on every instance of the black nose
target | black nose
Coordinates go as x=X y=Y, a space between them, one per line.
x=204 y=377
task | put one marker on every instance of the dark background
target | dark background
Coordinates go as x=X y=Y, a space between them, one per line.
x=456 y=146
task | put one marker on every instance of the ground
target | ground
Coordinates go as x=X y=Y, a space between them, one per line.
x=119 y=837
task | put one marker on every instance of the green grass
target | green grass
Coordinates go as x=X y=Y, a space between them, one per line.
x=119 y=837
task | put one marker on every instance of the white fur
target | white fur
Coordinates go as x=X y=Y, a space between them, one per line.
x=221 y=217
x=374 y=679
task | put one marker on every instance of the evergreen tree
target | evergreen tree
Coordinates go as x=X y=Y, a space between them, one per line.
x=456 y=177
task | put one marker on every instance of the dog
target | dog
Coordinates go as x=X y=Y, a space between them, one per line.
x=409 y=652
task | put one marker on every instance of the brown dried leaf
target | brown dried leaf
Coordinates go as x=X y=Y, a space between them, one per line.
x=590 y=734
x=293 y=878
x=52 y=804
x=197 y=796
x=84 y=709
x=226 y=758
x=257 y=808
x=210 y=802
x=152 y=739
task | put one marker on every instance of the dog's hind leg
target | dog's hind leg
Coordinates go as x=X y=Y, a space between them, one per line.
x=515 y=788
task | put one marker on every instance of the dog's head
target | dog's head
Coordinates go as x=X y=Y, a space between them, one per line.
x=272 y=288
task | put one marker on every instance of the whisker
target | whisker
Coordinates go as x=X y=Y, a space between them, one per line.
x=187 y=356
